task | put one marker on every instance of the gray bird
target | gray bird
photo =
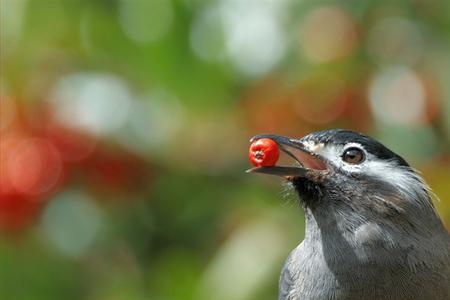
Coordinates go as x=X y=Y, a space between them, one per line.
x=371 y=229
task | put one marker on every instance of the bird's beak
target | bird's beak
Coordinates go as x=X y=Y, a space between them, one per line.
x=296 y=149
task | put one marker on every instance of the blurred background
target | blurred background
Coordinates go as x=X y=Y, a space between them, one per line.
x=125 y=125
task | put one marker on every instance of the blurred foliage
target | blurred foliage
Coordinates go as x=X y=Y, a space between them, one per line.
x=124 y=131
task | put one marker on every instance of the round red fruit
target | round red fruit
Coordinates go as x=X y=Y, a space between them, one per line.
x=264 y=153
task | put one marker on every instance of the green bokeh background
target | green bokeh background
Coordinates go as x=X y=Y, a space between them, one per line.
x=188 y=223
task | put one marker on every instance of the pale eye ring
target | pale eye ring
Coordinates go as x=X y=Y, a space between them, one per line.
x=353 y=155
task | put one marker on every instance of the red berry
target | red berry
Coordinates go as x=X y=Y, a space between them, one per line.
x=264 y=153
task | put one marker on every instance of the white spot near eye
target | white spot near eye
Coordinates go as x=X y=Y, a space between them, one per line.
x=313 y=147
x=317 y=148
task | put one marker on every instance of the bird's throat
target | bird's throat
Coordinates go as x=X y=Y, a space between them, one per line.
x=310 y=193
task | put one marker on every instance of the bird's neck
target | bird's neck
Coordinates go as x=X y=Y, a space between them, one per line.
x=320 y=226
x=359 y=240
x=344 y=232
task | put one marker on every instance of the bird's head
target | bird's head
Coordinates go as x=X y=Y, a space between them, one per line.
x=347 y=172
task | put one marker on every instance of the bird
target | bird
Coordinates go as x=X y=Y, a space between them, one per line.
x=371 y=229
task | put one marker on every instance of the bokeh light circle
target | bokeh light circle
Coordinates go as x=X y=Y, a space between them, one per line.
x=95 y=102
x=397 y=96
x=328 y=33
x=31 y=166
x=72 y=222
x=395 y=40
x=254 y=37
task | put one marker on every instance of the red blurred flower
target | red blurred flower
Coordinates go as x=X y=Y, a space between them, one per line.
x=115 y=171
x=17 y=211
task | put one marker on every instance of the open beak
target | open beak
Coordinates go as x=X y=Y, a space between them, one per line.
x=297 y=150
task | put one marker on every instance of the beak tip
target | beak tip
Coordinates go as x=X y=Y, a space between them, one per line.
x=279 y=171
x=252 y=170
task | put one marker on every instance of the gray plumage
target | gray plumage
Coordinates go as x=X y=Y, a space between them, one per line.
x=371 y=229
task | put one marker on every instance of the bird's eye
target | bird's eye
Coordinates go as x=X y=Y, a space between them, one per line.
x=353 y=156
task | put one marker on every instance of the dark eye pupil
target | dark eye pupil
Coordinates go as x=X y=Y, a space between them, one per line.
x=353 y=156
